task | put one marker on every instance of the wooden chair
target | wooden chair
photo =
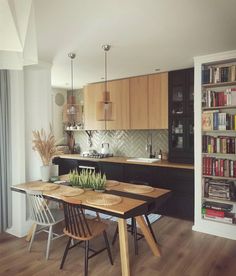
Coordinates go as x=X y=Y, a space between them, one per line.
x=43 y=216
x=79 y=228
x=133 y=227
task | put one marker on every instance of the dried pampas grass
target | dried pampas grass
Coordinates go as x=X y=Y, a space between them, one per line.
x=45 y=145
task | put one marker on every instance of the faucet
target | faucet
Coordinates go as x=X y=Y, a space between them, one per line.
x=149 y=145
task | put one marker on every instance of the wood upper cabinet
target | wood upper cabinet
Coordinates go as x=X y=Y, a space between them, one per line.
x=92 y=94
x=139 y=102
x=158 y=101
x=119 y=95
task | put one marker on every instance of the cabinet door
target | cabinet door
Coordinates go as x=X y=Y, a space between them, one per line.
x=119 y=95
x=92 y=95
x=158 y=101
x=139 y=102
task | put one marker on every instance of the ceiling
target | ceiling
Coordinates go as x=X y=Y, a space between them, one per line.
x=145 y=35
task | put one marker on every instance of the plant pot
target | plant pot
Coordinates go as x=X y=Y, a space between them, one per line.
x=88 y=189
x=99 y=191
x=54 y=170
x=45 y=173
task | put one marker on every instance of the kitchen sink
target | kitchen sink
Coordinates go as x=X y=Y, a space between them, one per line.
x=143 y=160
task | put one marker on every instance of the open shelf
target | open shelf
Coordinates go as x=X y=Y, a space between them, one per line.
x=219 y=107
x=219 y=177
x=219 y=84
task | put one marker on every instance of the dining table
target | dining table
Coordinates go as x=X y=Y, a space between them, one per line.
x=133 y=203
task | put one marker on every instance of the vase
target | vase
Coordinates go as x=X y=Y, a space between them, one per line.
x=54 y=170
x=45 y=173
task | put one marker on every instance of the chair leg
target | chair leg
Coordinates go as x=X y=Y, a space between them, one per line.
x=86 y=258
x=32 y=236
x=107 y=246
x=49 y=241
x=65 y=253
x=132 y=226
x=150 y=228
x=135 y=236
x=115 y=236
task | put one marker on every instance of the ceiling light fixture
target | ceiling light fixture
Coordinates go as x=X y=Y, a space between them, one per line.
x=105 y=108
x=71 y=112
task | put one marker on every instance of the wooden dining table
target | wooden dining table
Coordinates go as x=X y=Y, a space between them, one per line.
x=132 y=204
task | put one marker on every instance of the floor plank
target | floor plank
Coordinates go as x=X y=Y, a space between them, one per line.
x=183 y=253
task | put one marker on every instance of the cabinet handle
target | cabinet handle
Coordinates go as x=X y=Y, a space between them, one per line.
x=87 y=167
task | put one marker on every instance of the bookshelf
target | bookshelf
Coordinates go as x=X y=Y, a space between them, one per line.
x=215 y=144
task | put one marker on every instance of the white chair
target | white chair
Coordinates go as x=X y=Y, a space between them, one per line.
x=43 y=216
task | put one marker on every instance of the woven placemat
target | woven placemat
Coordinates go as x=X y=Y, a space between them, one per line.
x=138 y=189
x=43 y=187
x=72 y=192
x=112 y=183
x=104 y=199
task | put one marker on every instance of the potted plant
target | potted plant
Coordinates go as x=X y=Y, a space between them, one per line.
x=74 y=178
x=86 y=179
x=45 y=145
x=99 y=183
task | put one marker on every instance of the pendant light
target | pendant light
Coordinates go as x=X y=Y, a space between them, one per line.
x=105 y=108
x=71 y=112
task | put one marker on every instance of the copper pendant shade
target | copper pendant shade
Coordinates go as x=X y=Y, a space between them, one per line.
x=105 y=108
x=72 y=112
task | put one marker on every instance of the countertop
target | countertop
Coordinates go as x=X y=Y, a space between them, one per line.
x=123 y=160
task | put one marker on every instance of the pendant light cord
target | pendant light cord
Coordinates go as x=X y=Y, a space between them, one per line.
x=72 y=86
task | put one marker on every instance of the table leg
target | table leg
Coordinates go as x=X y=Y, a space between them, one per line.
x=124 y=248
x=148 y=236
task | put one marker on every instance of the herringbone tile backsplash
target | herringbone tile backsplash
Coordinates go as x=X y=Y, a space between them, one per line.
x=130 y=143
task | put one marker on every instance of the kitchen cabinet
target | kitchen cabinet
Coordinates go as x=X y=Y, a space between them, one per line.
x=158 y=101
x=93 y=93
x=139 y=102
x=179 y=181
x=119 y=95
x=181 y=116
x=113 y=171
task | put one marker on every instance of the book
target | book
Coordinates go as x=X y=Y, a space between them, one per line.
x=229 y=220
x=207 y=121
x=218 y=206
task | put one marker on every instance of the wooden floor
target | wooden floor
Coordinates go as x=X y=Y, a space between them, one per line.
x=184 y=252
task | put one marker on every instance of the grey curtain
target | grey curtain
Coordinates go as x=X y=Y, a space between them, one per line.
x=5 y=152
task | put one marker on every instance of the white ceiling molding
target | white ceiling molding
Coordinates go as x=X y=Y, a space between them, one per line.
x=18 y=45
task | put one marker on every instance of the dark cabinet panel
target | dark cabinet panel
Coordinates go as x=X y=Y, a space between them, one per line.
x=113 y=171
x=65 y=165
x=181 y=95
x=179 y=181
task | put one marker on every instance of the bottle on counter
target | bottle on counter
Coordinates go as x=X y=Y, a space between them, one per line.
x=160 y=155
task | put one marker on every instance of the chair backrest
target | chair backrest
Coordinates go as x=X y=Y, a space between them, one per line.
x=75 y=220
x=39 y=210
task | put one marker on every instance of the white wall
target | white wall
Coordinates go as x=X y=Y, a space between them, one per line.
x=37 y=84
x=57 y=115
x=31 y=108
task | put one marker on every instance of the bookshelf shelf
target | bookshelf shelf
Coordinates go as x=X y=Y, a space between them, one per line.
x=219 y=200
x=218 y=177
x=220 y=84
x=219 y=107
x=225 y=132
x=213 y=154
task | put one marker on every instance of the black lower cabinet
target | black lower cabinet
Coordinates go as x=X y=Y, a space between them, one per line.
x=113 y=171
x=180 y=181
x=180 y=204
x=65 y=164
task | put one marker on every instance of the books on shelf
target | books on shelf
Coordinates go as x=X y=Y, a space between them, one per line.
x=219 y=189
x=218 y=74
x=226 y=207
x=213 y=166
x=218 y=212
x=211 y=98
x=219 y=144
x=215 y=120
